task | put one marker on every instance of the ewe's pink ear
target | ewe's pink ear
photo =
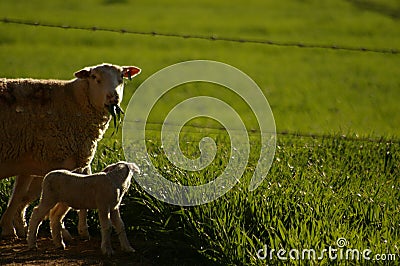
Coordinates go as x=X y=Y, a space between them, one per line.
x=83 y=73
x=130 y=71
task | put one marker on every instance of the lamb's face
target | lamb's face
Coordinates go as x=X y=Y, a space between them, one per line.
x=122 y=173
x=106 y=84
x=128 y=167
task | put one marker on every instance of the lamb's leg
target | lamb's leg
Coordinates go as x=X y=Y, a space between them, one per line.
x=32 y=194
x=60 y=211
x=21 y=186
x=57 y=214
x=104 y=217
x=39 y=212
x=120 y=229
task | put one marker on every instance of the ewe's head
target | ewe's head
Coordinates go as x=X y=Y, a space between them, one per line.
x=106 y=84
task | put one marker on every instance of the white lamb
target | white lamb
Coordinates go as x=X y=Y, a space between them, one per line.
x=102 y=191
x=53 y=124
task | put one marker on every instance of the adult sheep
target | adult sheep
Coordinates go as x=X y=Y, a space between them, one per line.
x=53 y=124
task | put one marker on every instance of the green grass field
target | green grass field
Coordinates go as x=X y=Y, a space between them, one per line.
x=321 y=187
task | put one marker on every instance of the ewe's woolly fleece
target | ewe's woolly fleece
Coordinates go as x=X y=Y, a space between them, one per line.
x=51 y=118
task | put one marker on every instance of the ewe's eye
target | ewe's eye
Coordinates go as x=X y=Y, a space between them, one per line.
x=121 y=80
x=93 y=76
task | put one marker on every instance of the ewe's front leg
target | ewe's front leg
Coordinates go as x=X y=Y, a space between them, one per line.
x=32 y=194
x=21 y=186
x=104 y=217
x=120 y=229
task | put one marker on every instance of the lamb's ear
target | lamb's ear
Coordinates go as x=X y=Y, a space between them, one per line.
x=130 y=71
x=109 y=168
x=133 y=167
x=83 y=73
x=113 y=167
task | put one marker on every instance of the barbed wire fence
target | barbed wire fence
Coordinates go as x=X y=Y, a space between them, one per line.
x=194 y=129
x=354 y=137
x=203 y=37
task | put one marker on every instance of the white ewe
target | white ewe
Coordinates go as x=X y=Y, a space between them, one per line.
x=102 y=191
x=53 y=124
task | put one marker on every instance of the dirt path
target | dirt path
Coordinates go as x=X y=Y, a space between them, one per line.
x=78 y=252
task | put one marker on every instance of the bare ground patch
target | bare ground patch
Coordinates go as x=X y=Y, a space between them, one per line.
x=78 y=252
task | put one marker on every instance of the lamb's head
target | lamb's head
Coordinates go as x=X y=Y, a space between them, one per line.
x=122 y=172
x=106 y=84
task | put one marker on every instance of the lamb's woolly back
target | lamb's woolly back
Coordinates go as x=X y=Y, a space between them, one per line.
x=66 y=186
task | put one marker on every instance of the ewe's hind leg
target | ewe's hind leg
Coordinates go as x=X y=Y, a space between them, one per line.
x=82 y=214
x=104 y=217
x=120 y=229
x=32 y=194
x=57 y=214
x=39 y=212
x=21 y=186
x=82 y=224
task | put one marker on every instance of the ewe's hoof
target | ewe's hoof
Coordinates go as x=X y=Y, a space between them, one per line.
x=8 y=233
x=84 y=234
x=107 y=252
x=32 y=247
x=21 y=233
x=8 y=237
x=128 y=249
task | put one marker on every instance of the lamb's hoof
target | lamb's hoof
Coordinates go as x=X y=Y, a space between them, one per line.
x=60 y=247
x=58 y=244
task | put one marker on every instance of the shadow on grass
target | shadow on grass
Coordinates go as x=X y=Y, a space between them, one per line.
x=377 y=7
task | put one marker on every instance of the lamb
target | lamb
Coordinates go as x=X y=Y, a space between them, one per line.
x=102 y=191
x=53 y=124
